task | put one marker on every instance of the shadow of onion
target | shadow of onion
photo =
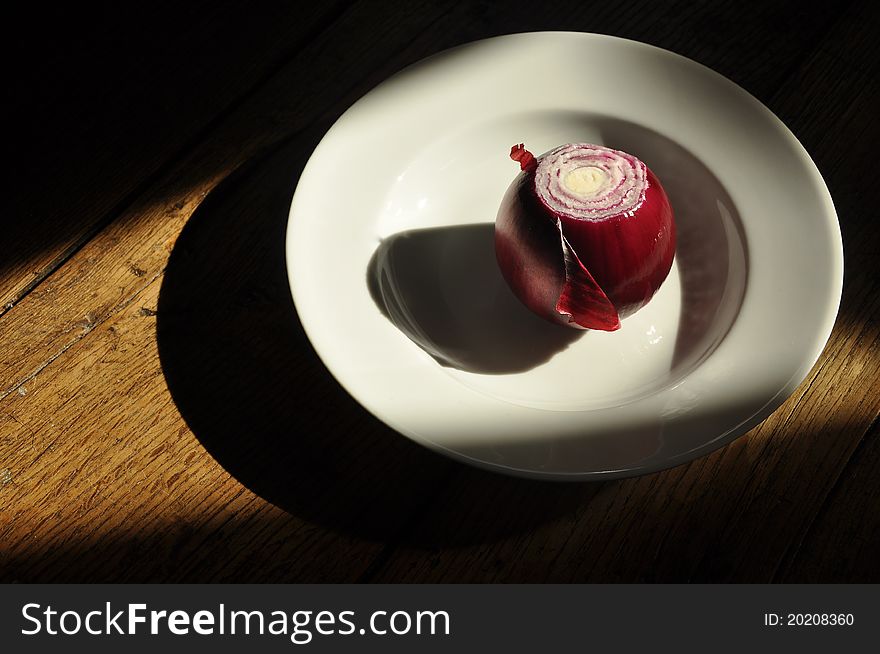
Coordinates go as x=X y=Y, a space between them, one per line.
x=250 y=387
x=442 y=288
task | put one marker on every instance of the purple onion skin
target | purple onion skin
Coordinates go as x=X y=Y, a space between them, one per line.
x=626 y=257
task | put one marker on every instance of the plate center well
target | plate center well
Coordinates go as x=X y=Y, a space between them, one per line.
x=435 y=277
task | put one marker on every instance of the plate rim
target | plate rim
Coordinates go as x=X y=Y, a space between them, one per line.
x=807 y=362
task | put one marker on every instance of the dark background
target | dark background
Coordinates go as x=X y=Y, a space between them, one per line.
x=103 y=102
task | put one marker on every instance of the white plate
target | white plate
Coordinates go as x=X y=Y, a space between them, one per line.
x=392 y=268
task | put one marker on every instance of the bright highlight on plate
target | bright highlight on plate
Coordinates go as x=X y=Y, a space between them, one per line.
x=411 y=313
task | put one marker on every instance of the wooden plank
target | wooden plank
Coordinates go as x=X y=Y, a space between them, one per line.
x=735 y=514
x=82 y=371
x=133 y=250
x=106 y=98
x=842 y=544
x=111 y=478
x=132 y=495
x=103 y=469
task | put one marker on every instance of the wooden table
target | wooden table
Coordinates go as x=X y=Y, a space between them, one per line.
x=164 y=418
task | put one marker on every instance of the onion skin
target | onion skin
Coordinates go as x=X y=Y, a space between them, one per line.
x=580 y=272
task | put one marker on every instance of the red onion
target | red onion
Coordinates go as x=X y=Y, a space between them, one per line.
x=585 y=235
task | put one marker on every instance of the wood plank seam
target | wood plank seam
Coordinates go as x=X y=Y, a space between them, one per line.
x=264 y=151
x=87 y=329
x=815 y=374
x=177 y=156
x=790 y=556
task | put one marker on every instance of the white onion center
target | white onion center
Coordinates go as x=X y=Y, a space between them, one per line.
x=591 y=182
x=586 y=180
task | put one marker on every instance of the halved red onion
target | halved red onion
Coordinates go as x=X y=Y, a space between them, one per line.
x=585 y=234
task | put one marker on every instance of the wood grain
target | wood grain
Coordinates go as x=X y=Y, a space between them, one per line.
x=842 y=543
x=117 y=269
x=163 y=417
x=104 y=100
x=106 y=501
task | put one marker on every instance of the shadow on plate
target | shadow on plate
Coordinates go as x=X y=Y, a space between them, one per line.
x=442 y=288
